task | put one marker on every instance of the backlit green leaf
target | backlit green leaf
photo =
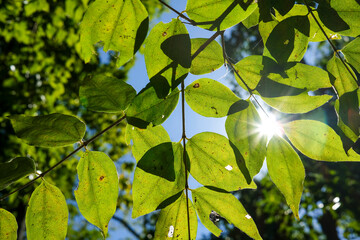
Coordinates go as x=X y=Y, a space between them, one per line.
x=213 y=162
x=148 y=108
x=172 y=221
x=286 y=171
x=242 y=129
x=219 y=15
x=8 y=225
x=14 y=170
x=227 y=206
x=101 y=93
x=349 y=11
x=208 y=60
x=53 y=130
x=352 y=53
x=301 y=103
x=47 y=214
x=289 y=39
x=121 y=25
x=98 y=188
x=317 y=141
x=145 y=139
x=343 y=82
x=167 y=55
x=210 y=98
x=253 y=19
x=159 y=175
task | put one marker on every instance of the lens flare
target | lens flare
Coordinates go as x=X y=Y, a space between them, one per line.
x=269 y=126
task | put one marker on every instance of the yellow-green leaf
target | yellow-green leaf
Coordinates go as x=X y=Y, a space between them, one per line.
x=219 y=15
x=121 y=25
x=15 y=169
x=213 y=162
x=286 y=171
x=227 y=206
x=352 y=53
x=172 y=221
x=343 y=82
x=242 y=129
x=208 y=60
x=159 y=175
x=53 y=130
x=349 y=11
x=47 y=214
x=98 y=188
x=8 y=225
x=317 y=141
x=145 y=139
x=210 y=98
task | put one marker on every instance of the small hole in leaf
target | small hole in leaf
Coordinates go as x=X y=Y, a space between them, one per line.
x=196 y=85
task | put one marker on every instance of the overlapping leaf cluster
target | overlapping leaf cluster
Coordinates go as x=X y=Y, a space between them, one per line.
x=221 y=164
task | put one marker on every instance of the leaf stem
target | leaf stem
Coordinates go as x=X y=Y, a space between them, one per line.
x=178 y=13
x=84 y=144
x=328 y=39
x=184 y=156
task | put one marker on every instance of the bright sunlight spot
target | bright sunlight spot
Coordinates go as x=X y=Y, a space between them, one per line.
x=269 y=126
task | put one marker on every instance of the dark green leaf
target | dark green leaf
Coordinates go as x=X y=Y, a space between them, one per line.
x=15 y=169
x=210 y=98
x=148 y=108
x=98 y=189
x=349 y=11
x=242 y=129
x=227 y=206
x=172 y=221
x=317 y=141
x=208 y=60
x=159 y=175
x=213 y=162
x=219 y=15
x=343 y=80
x=331 y=18
x=286 y=171
x=101 y=93
x=121 y=25
x=53 y=130
x=167 y=55
x=8 y=225
x=145 y=139
x=47 y=214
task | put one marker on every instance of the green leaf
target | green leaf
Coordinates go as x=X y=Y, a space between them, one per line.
x=289 y=39
x=349 y=11
x=347 y=108
x=352 y=53
x=301 y=103
x=14 y=170
x=343 y=80
x=8 y=225
x=315 y=35
x=53 y=130
x=218 y=15
x=47 y=214
x=227 y=206
x=147 y=108
x=253 y=19
x=159 y=175
x=35 y=6
x=208 y=60
x=121 y=25
x=98 y=189
x=242 y=129
x=250 y=69
x=286 y=171
x=213 y=162
x=145 y=139
x=210 y=98
x=172 y=221
x=101 y=93
x=167 y=55
x=317 y=141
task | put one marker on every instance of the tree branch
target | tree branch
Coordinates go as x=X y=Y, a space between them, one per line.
x=127 y=226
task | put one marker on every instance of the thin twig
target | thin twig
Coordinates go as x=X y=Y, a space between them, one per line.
x=328 y=39
x=178 y=13
x=205 y=44
x=127 y=226
x=84 y=144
